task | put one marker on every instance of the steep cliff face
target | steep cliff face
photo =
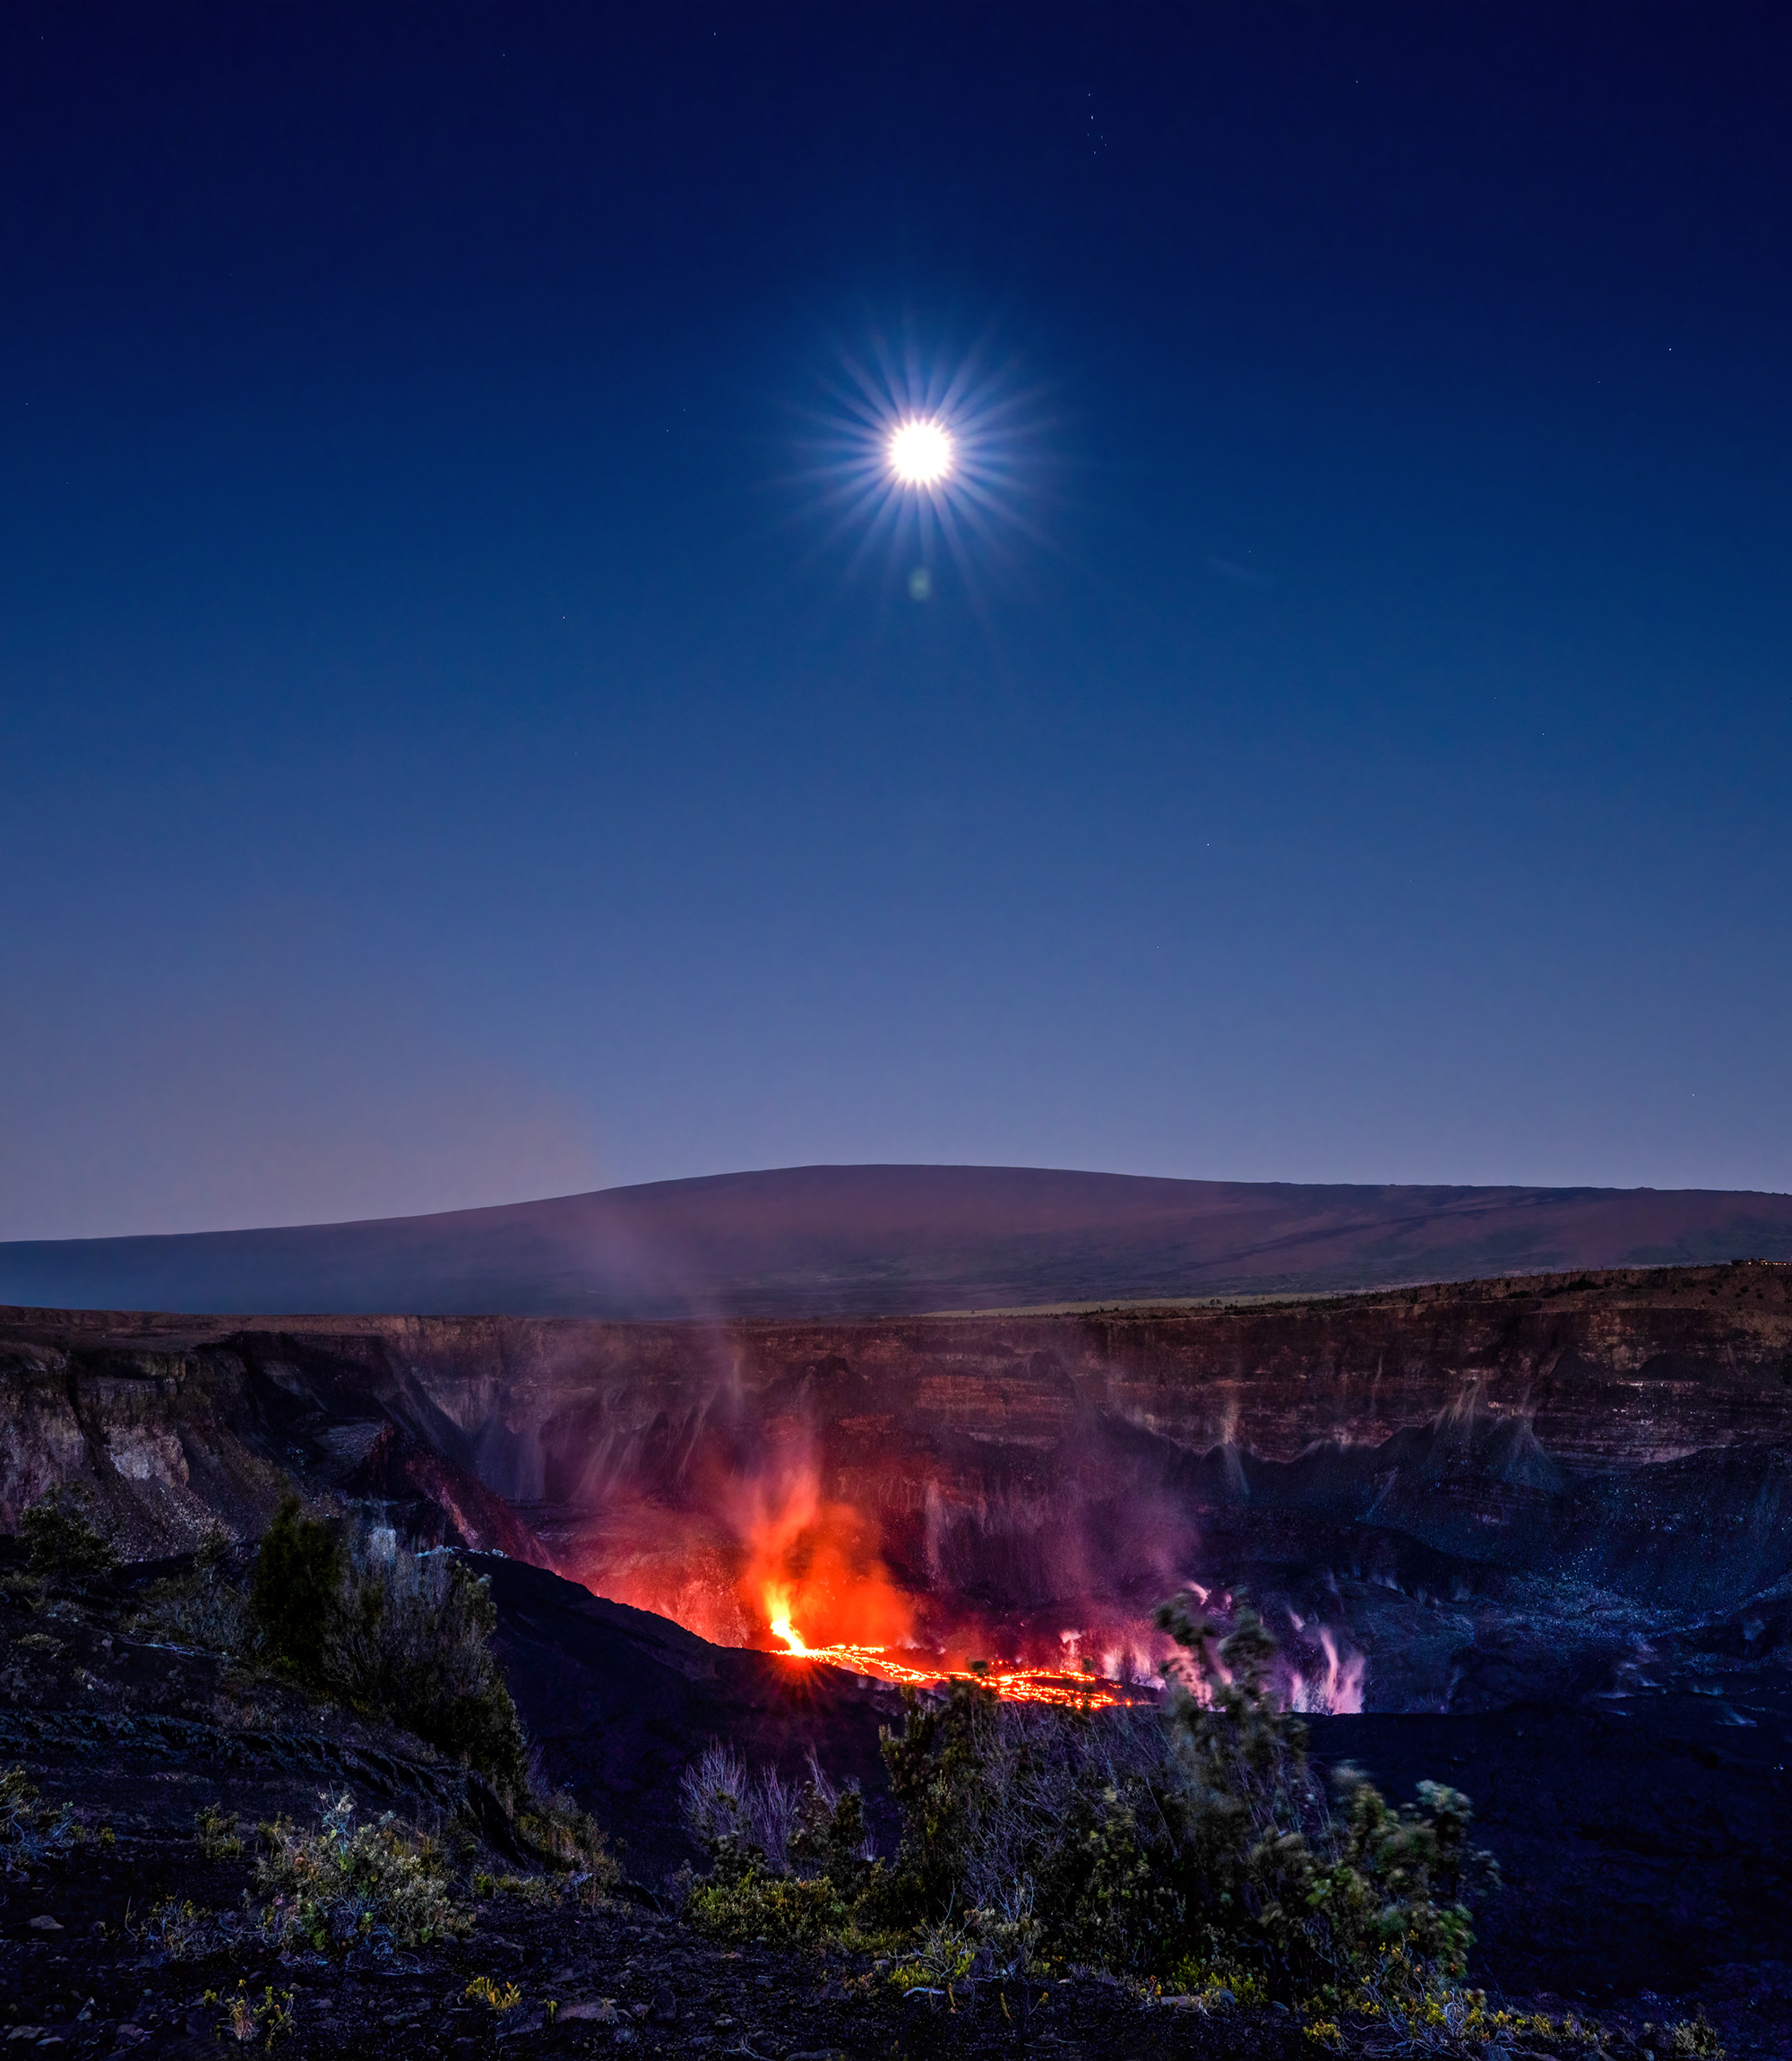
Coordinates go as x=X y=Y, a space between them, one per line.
x=163 y=1430
x=1443 y=1496
x=1480 y=1489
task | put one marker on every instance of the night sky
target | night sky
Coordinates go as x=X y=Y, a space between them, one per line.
x=468 y=726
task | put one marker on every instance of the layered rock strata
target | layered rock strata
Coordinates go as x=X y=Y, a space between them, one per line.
x=1486 y=1489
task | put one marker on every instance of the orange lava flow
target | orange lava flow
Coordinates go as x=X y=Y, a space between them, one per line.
x=1015 y=1685
x=817 y=1563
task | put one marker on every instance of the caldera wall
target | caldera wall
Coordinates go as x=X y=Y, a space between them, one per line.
x=1454 y=1482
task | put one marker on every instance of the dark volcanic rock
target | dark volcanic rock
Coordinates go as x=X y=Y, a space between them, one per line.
x=1645 y=1841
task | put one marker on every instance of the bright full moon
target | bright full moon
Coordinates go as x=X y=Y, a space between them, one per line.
x=920 y=452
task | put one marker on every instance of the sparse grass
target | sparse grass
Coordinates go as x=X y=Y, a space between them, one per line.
x=1192 y=1977
x=567 y=1839
x=216 y=1832
x=245 y=2019
x=498 y=1997
x=207 y=1607
x=31 y=1830
x=176 y=1929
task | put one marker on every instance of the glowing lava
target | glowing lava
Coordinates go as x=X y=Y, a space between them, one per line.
x=778 y=1615
x=1084 y=1691
x=817 y=1563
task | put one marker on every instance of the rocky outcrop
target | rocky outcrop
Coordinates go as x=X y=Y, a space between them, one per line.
x=162 y=1432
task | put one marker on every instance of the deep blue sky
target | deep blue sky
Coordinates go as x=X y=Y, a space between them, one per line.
x=451 y=750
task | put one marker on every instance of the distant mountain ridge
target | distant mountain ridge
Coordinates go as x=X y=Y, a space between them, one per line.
x=877 y=1241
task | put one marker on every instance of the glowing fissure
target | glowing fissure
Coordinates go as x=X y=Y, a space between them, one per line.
x=1016 y=1684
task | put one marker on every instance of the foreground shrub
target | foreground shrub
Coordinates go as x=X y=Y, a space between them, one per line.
x=409 y=1634
x=207 y=1607
x=1041 y=1830
x=791 y=1865
x=377 y=1885
x=745 y=1899
x=404 y=1634
x=296 y=1590
x=60 y=1541
x=1193 y=1843
x=1276 y=1883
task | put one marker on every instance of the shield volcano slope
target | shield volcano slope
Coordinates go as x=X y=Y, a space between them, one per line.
x=846 y=1241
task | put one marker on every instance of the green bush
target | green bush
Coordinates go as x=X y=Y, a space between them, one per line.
x=403 y=1634
x=296 y=1590
x=743 y=1898
x=1038 y=1828
x=1274 y=1882
x=60 y=1541
x=409 y=1634
x=1193 y=1843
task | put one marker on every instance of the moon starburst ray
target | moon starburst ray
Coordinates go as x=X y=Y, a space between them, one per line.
x=913 y=458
